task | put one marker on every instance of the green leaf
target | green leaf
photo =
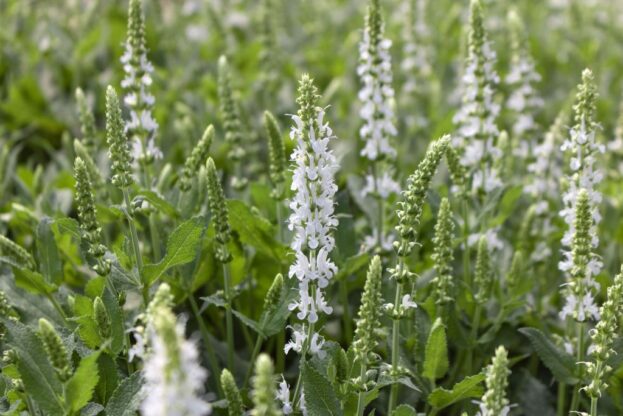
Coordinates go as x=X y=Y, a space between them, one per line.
x=39 y=378
x=404 y=410
x=436 y=355
x=116 y=320
x=81 y=385
x=274 y=322
x=560 y=363
x=249 y=322
x=127 y=397
x=181 y=248
x=469 y=387
x=320 y=397
x=33 y=282
x=160 y=203
x=48 y=258
x=109 y=378
x=254 y=230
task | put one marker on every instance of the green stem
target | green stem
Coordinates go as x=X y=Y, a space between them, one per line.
x=473 y=338
x=216 y=370
x=594 y=406
x=466 y=265
x=579 y=357
x=280 y=221
x=135 y=246
x=281 y=355
x=155 y=238
x=229 y=322
x=562 y=400
x=256 y=351
x=361 y=397
x=297 y=389
x=393 y=393
x=346 y=319
x=57 y=307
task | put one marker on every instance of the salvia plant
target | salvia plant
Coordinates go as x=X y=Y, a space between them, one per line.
x=390 y=208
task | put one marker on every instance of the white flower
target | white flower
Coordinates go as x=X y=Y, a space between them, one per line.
x=407 y=303
x=370 y=242
x=383 y=185
x=283 y=395
x=493 y=240
x=585 y=308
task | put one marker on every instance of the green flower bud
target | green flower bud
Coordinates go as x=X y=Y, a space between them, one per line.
x=307 y=101
x=585 y=104
x=443 y=254
x=87 y=122
x=54 y=347
x=218 y=208
x=271 y=301
x=494 y=399
x=232 y=394
x=516 y=271
x=17 y=253
x=119 y=149
x=410 y=208
x=162 y=298
x=369 y=317
x=263 y=393
x=483 y=276
x=87 y=215
x=197 y=157
x=102 y=319
x=277 y=153
x=136 y=30
x=231 y=120
x=458 y=173
x=94 y=174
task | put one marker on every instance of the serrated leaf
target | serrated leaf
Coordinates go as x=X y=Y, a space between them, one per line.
x=109 y=378
x=436 y=355
x=127 y=397
x=39 y=377
x=48 y=257
x=404 y=410
x=320 y=397
x=81 y=385
x=33 y=282
x=469 y=387
x=560 y=363
x=181 y=248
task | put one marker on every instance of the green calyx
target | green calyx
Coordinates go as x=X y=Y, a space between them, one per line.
x=119 y=149
x=369 y=317
x=17 y=253
x=197 y=157
x=102 y=319
x=55 y=349
x=87 y=122
x=496 y=380
x=483 y=276
x=443 y=254
x=218 y=208
x=232 y=394
x=271 y=301
x=263 y=392
x=277 y=154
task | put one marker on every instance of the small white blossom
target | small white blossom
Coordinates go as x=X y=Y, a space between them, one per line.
x=283 y=395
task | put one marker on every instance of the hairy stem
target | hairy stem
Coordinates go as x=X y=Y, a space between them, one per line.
x=229 y=322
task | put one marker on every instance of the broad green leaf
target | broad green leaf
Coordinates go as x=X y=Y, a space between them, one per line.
x=80 y=386
x=39 y=378
x=254 y=230
x=320 y=397
x=181 y=248
x=254 y=325
x=62 y=226
x=48 y=258
x=275 y=321
x=109 y=378
x=32 y=281
x=160 y=203
x=436 y=355
x=127 y=397
x=404 y=410
x=560 y=363
x=469 y=387
x=116 y=320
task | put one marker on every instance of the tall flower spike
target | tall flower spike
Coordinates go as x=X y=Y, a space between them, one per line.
x=232 y=394
x=515 y=273
x=197 y=157
x=218 y=208
x=87 y=122
x=277 y=153
x=524 y=102
x=312 y=216
x=142 y=127
x=483 y=274
x=231 y=123
x=494 y=401
x=443 y=255
x=17 y=253
x=87 y=214
x=409 y=210
x=603 y=336
x=582 y=148
x=264 y=393
x=582 y=265
x=55 y=349
x=457 y=171
x=376 y=96
x=476 y=119
x=119 y=150
x=82 y=152
x=369 y=319
x=417 y=50
x=174 y=380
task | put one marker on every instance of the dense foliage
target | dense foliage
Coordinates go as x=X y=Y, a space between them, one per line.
x=348 y=207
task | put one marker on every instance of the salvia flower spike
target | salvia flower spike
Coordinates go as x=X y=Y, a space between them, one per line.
x=312 y=216
x=443 y=254
x=142 y=127
x=119 y=149
x=87 y=122
x=603 y=336
x=277 y=154
x=483 y=274
x=218 y=208
x=231 y=123
x=55 y=349
x=263 y=393
x=369 y=319
x=197 y=157
x=174 y=380
x=477 y=131
x=494 y=402
x=17 y=253
x=417 y=50
x=232 y=394
x=87 y=214
x=97 y=181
